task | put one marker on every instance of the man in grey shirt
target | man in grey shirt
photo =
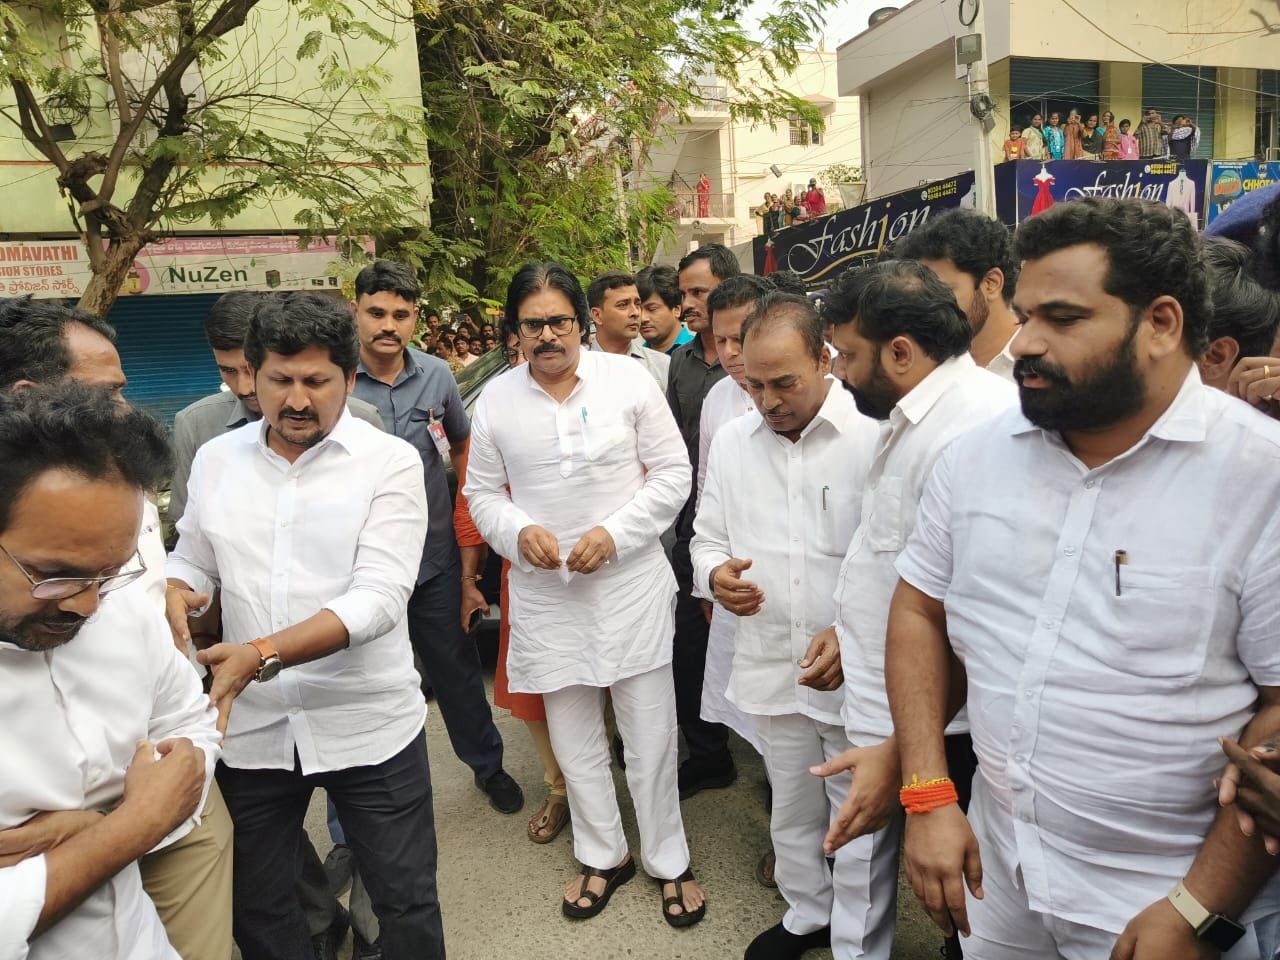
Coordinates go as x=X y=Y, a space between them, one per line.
x=214 y=415
x=418 y=399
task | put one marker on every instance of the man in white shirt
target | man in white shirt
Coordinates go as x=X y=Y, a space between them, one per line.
x=781 y=500
x=970 y=254
x=616 y=311
x=189 y=880
x=576 y=469
x=902 y=347
x=1086 y=562
x=312 y=523
x=110 y=743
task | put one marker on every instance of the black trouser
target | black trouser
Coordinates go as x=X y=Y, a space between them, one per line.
x=708 y=742
x=387 y=815
x=452 y=663
x=962 y=765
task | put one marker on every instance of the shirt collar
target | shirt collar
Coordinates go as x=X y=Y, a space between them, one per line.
x=915 y=406
x=1186 y=419
x=240 y=414
x=837 y=409
x=634 y=349
x=344 y=434
x=586 y=367
x=410 y=369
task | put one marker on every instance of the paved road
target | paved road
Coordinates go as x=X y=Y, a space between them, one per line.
x=500 y=893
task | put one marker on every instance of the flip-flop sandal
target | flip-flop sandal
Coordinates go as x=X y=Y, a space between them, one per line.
x=765 y=868
x=598 y=901
x=552 y=817
x=686 y=917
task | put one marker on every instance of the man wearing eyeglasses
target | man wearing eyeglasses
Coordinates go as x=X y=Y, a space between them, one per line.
x=576 y=469
x=44 y=342
x=109 y=742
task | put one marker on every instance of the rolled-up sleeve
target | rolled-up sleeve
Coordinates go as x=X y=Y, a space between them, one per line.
x=710 y=546
x=642 y=519
x=388 y=552
x=193 y=560
x=496 y=517
x=22 y=891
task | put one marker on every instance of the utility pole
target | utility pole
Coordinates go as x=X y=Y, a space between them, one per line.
x=979 y=94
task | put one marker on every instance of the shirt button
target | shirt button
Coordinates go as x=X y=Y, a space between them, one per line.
x=1088 y=484
x=1048 y=623
x=1021 y=758
x=1029 y=695
x=797 y=622
x=1070 y=551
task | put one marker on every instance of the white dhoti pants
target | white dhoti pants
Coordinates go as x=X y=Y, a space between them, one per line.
x=1004 y=925
x=645 y=709
x=857 y=897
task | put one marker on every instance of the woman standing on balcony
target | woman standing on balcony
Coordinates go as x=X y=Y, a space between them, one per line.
x=704 y=196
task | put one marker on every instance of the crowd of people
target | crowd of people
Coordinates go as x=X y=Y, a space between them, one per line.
x=1099 y=137
x=777 y=212
x=978 y=552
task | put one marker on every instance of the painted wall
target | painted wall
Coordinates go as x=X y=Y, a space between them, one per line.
x=263 y=49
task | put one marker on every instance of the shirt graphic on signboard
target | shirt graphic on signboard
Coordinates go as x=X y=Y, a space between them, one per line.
x=1182 y=195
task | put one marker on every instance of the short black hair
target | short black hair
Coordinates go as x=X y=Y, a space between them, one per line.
x=387 y=276
x=33 y=339
x=789 y=310
x=1243 y=308
x=662 y=280
x=788 y=281
x=227 y=321
x=64 y=425
x=286 y=324
x=745 y=288
x=975 y=243
x=1153 y=251
x=602 y=284
x=723 y=263
x=531 y=278
x=1125 y=123
x=899 y=298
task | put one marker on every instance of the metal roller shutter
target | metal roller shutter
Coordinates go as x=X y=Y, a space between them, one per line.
x=163 y=350
x=1071 y=80
x=1189 y=90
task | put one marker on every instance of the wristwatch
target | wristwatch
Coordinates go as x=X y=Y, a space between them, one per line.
x=270 y=664
x=1218 y=931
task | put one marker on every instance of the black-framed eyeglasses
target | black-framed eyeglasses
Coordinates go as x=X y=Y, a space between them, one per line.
x=63 y=588
x=532 y=329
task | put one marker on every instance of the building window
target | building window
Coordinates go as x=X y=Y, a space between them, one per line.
x=801 y=133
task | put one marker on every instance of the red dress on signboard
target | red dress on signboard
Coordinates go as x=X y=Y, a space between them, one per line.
x=1044 y=199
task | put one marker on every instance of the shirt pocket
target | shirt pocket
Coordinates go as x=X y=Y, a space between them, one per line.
x=837 y=520
x=603 y=438
x=1157 y=629
x=884 y=525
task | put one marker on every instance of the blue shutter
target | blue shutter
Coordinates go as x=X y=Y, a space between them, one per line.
x=163 y=350
x=1189 y=90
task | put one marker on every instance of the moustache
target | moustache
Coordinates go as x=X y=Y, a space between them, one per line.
x=542 y=348
x=388 y=335
x=1025 y=367
x=298 y=414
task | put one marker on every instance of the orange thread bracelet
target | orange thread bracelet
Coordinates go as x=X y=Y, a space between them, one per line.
x=925 y=796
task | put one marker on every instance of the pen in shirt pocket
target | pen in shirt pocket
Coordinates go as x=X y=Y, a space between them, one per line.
x=1121 y=558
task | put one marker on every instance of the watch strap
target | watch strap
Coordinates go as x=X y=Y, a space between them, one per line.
x=1192 y=910
x=264 y=648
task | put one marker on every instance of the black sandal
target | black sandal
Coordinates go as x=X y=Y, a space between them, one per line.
x=612 y=880
x=686 y=917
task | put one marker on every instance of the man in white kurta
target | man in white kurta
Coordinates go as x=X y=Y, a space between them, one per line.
x=903 y=354
x=87 y=700
x=783 y=492
x=576 y=469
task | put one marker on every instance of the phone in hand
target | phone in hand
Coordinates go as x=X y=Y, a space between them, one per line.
x=473 y=622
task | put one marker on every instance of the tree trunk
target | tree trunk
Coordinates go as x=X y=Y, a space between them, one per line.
x=104 y=286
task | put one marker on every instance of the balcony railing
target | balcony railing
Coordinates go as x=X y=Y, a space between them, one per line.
x=711 y=97
x=690 y=205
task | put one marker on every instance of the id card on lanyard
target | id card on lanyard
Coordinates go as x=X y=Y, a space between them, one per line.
x=436 y=429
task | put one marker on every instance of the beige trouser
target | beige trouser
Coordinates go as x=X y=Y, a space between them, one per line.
x=190 y=883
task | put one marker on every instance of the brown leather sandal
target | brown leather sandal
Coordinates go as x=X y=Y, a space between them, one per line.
x=686 y=917
x=598 y=901
x=546 y=824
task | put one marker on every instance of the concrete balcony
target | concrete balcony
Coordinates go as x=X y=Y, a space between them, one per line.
x=711 y=110
x=689 y=206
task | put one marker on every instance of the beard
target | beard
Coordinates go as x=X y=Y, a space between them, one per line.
x=23 y=632
x=1107 y=394
x=878 y=396
x=978 y=312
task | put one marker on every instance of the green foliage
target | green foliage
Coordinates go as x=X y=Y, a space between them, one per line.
x=839 y=173
x=537 y=111
x=214 y=125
